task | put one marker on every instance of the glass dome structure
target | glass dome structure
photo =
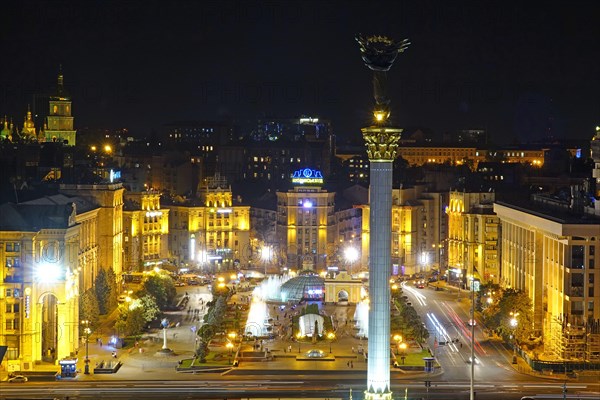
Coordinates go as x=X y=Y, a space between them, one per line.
x=306 y=286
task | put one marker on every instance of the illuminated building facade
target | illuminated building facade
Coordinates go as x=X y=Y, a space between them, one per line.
x=306 y=221
x=472 y=237
x=550 y=254
x=417 y=231
x=87 y=218
x=418 y=154
x=209 y=232
x=109 y=199
x=146 y=229
x=39 y=284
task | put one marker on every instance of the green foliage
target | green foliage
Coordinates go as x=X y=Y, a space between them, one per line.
x=408 y=323
x=113 y=294
x=498 y=315
x=310 y=309
x=202 y=351
x=134 y=316
x=88 y=308
x=150 y=308
x=161 y=287
x=102 y=290
x=130 y=321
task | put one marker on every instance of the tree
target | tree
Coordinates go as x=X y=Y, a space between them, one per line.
x=111 y=279
x=161 y=287
x=134 y=316
x=88 y=308
x=499 y=316
x=102 y=290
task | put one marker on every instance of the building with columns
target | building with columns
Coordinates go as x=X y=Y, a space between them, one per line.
x=211 y=232
x=549 y=252
x=306 y=223
x=109 y=199
x=418 y=230
x=145 y=232
x=472 y=237
x=39 y=283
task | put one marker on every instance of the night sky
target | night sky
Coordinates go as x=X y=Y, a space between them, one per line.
x=519 y=71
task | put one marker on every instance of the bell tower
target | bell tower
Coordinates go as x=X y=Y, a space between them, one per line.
x=59 y=120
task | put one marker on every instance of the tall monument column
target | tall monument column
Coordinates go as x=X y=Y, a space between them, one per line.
x=379 y=53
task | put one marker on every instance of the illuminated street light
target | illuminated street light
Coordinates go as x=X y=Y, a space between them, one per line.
x=330 y=336
x=351 y=255
x=403 y=351
x=229 y=345
x=513 y=324
x=398 y=339
x=87 y=331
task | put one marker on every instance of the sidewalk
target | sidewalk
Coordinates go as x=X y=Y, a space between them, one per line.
x=142 y=362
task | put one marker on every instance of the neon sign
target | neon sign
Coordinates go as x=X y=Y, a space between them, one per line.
x=307 y=176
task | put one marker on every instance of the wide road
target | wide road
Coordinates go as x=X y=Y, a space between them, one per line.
x=273 y=387
x=446 y=314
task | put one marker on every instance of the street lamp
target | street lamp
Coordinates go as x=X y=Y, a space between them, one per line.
x=351 y=255
x=298 y=336
x=330 y=336
x=398 y=339
x=87 y=331
x=229 y=345
x=403 y=348
x=513 y=324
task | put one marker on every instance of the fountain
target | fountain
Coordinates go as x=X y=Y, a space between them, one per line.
x=361 y=315
x=258 y=315
x=270 y=288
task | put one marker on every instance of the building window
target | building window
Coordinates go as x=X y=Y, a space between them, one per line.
x=577 y=257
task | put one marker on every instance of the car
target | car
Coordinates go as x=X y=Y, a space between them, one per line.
x=179 y=284
x=17 y=379
x=122 y=298
x=471 y=322
x=471 y=360
x=420 y=286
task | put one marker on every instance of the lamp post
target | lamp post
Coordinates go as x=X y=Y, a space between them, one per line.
x=472 y=386
x=403 y=353
x=398 y=339
x=87 y=331
x=351 y=255
x=513 y=324
x=330 y=336
x=165 y=325
x=229 y=345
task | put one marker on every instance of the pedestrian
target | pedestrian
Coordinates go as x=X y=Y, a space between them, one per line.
x=351 y=364
x=348 y=364
x=353 y=349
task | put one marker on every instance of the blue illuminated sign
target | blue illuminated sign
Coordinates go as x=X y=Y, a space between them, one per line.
x=307 y=176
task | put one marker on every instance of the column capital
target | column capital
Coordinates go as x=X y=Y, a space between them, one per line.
x=381 y=142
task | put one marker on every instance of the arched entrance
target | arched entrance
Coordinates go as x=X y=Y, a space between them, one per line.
x=342 y=296
x=49 y=327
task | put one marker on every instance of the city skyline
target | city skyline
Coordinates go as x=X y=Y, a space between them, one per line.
x=515 y=71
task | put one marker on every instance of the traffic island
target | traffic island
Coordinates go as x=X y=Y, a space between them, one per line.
x=165 y=353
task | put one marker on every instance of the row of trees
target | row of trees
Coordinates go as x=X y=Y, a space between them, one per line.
x=213 y=321
x=100 y=299
x=407 y=321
